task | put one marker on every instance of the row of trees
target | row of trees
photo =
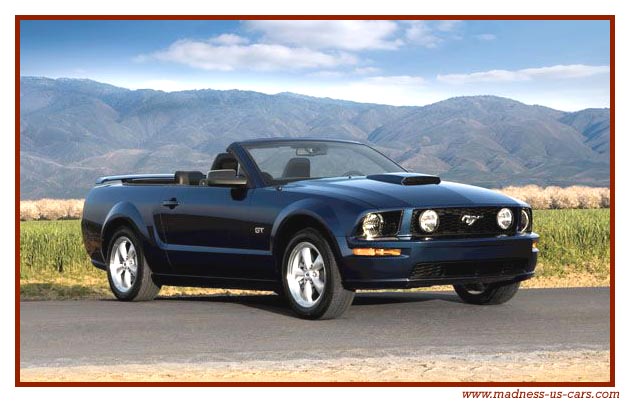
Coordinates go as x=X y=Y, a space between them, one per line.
x=538 y=197
x=553 y=197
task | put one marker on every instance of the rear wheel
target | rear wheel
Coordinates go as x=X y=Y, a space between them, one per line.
x=480 y=293
x=129 y=275
x=311 y=279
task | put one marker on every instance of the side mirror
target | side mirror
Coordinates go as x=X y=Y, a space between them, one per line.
x=225 y=178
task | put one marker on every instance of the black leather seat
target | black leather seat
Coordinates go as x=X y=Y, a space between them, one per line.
x=189 y=177
x=224 y=161
x=297 y=167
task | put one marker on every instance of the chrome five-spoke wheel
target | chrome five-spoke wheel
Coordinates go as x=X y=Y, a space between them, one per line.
x=306 y=274
x=310 y=277
x=128 y=273
x=123 y=264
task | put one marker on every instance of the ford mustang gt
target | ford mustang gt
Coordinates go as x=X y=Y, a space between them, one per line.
x=313 y=220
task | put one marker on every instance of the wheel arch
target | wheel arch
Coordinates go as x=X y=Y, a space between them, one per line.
x=292 y=224
x=112 y=227
x=122 y=215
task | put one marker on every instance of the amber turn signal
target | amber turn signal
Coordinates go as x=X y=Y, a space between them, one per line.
x=375 y=252
x=535 y=245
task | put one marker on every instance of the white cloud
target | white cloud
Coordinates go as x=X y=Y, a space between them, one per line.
x=419 y=32
x=431 y=34
x=367 y=70
x=566 y=71
x=327 y=74
x=551 y=72
x=486 y=36
x=358 y=71
x=296 y=45
x=228 y=40
x=448 y=25
x=331 y=34
x=209 y=55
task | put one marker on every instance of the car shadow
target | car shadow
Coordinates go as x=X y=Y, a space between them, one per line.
x=272 y=303
x=377 y=298
x=277 y=304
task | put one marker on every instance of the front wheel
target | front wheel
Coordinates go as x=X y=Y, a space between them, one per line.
x=311 y=279
x=480 y=293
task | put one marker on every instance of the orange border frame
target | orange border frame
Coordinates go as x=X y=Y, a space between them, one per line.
x=610 y=18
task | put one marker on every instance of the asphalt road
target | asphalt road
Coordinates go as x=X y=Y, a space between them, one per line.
x=233 y=329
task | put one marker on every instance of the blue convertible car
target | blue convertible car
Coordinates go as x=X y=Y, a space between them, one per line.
x=313 y=220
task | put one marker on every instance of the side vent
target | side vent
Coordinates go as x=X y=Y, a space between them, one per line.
x=406 y=179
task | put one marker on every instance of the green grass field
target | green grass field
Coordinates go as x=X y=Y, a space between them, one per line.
x=53 y=262
x=573 y=241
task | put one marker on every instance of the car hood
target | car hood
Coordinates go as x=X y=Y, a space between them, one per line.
x=381 y=194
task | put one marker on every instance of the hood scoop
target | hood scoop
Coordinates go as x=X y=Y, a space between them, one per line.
x=405 y=178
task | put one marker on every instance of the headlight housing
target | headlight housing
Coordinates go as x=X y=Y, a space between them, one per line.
x=429 y=221
x=372 y=225
x=525 y=221
x=379 y=224
x=505 y=218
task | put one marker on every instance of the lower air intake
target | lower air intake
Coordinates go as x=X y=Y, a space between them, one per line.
x=474 y=269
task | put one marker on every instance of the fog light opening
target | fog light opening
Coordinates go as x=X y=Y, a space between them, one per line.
x=376 y=252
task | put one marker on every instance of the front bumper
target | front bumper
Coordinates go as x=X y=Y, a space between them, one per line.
x=439 y=262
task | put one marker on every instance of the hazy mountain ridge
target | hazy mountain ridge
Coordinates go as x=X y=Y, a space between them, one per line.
x=75 y=130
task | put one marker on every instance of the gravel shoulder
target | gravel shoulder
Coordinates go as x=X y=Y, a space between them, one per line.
x=566 y=366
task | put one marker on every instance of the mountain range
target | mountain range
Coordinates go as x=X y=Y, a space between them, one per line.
x=74 y=130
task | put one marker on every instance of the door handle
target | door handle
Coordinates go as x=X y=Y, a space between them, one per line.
x=172 y=203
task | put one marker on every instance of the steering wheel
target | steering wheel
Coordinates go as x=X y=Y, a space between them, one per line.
x=353 y=173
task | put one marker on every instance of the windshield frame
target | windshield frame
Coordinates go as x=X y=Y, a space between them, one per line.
x=247 y=145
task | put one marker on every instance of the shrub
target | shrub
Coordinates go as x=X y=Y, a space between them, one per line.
x=554 y=197
x=50 y=209
x=551 y=197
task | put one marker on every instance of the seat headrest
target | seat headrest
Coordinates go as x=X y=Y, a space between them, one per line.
x=224 y=161
x=297 y=167
x=189 y=177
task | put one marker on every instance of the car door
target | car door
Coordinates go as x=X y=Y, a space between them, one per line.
x=209 y=233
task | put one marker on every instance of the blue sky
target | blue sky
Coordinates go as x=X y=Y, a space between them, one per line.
x=561 y=64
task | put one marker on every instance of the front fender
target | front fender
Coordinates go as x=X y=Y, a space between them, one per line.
x=321 y=212
x=334 y=216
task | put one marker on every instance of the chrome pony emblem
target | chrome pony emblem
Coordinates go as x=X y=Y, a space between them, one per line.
x=470 y=219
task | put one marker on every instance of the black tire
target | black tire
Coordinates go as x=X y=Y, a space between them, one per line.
x=488 y=293
x=143 y=287
x=334 y=299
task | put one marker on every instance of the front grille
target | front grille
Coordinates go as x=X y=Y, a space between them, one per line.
x=474 y=269
x=451 y=223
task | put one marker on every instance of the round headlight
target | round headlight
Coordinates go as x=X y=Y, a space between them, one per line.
x=372 y=225
x=429 y=221
x=524 y=223
x=505 y=218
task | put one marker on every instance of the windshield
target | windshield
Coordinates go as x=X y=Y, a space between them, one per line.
x=284 y=162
